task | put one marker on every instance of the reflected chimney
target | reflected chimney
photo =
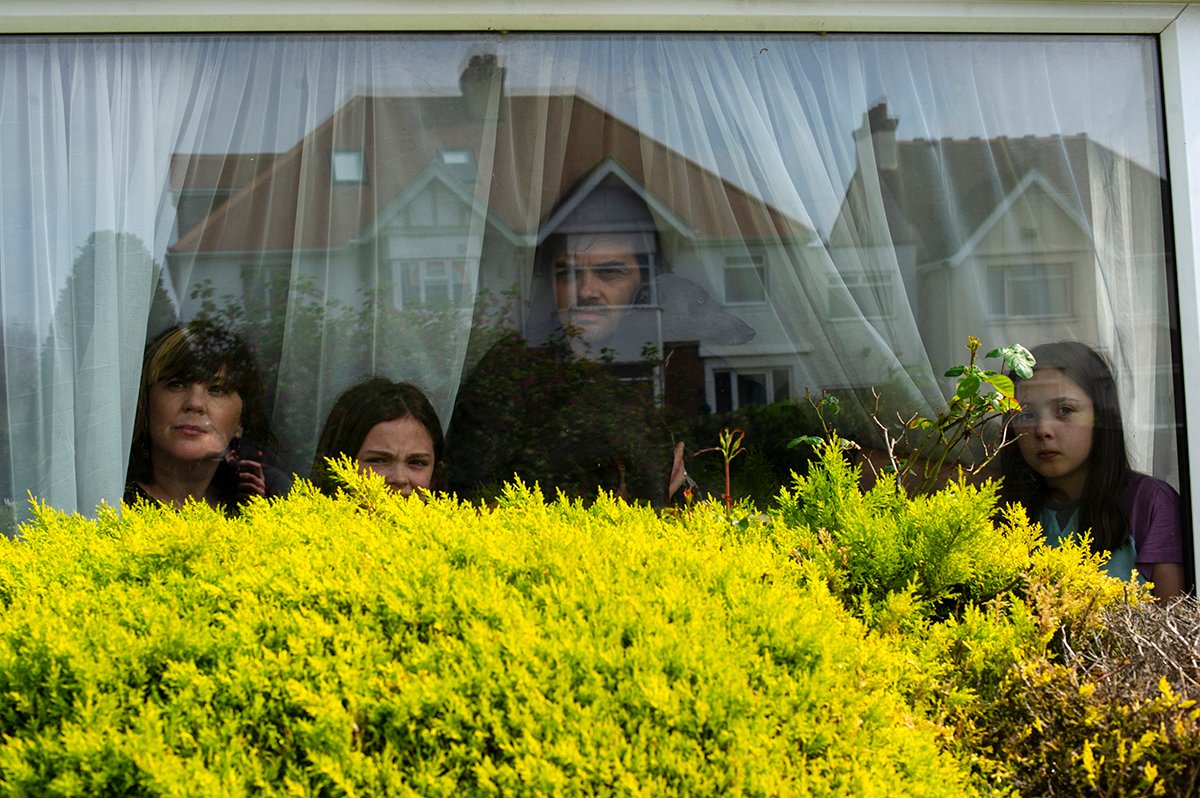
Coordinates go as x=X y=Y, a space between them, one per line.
x=482 y=85
x=880 y=130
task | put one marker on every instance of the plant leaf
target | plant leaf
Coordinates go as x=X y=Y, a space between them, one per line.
x=1002 y=384
x=1020 y=361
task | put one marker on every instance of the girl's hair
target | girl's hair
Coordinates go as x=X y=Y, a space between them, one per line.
x=198 y=350
x=1108 y=464
x=361 y=407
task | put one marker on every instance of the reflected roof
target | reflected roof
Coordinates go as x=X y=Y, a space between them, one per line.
x=544 y=147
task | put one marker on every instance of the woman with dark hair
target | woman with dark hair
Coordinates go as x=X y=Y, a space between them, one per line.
x=200 y=392
x=387 y=427
x=1070 y=468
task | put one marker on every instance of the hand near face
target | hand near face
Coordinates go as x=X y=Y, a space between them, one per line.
x=251 y=480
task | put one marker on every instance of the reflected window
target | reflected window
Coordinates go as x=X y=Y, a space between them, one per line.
x=460 y=163
x=1030 y=290
x=867 y=296
x=429 y=282
x=348 y=168
x=745 y=280
x=736 y=389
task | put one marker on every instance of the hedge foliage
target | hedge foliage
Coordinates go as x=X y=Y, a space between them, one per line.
x=365 y=645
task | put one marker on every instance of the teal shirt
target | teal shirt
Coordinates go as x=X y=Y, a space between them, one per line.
x=1121 y=561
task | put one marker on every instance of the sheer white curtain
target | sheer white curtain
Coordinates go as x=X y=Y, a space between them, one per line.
x=87 y=130
x=149 y=181
x=831 y=213
x=344 y=228
x=893 y=195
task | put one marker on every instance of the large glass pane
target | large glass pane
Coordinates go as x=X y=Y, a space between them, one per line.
x=585 y=249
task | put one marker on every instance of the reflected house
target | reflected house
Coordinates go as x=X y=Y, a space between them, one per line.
x=1024 y=240
x=1000 y=238
x=440 y=201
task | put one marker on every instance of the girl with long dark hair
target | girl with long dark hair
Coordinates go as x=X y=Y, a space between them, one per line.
x=1070 y=469
x=387 y=427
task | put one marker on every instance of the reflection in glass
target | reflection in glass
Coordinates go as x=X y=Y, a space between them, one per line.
x=826 y=213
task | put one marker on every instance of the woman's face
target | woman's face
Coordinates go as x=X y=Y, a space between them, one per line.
x=1055 y=425
x=192 y=422
x=401 y=451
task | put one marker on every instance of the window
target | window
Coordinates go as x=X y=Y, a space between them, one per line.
x=868 y=296
x=736 y=389
x=745 y=279
x=429 y=282
x=459 y=163
x=1041 y=290
x=348 y=167
x=398 y=195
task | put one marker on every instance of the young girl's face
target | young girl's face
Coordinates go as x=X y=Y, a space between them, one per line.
x=401 y=451
x=1055 y=426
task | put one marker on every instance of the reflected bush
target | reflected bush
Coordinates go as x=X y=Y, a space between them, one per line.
x=570 y=425
x=768 y=463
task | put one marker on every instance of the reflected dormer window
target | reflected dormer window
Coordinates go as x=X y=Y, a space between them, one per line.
x=348 y=167
x=459 y=163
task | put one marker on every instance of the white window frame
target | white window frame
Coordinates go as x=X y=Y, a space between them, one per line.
x=347 y=167
x=432 y=274
x=1176 y=24
x=847 y=287
x=754 y=262
x=1057 y=271
x=767 y=371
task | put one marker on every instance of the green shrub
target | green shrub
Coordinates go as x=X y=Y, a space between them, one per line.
x=844 y=644
x=376 y=645
x=984 y=610
x=769 y=461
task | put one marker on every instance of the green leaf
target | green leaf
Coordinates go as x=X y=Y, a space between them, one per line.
x=956 y=371
x=1018 y=359
x=1002 y=384
x=810 y=440
x=968 y=386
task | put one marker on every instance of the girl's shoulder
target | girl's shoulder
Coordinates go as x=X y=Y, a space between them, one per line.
x=1152 y=507
x=1143 y=488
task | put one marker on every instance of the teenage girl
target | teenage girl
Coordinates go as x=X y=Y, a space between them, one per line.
x=1071 y=471
x=387 y=427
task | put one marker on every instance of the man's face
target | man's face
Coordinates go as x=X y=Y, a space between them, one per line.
x=594 y=285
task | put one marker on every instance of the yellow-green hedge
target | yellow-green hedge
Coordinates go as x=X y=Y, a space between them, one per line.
x=375 y=645
x=842 y=644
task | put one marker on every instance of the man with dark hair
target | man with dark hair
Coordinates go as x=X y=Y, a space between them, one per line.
x=552 y=407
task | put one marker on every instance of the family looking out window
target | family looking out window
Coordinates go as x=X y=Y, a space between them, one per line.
x=823 y=213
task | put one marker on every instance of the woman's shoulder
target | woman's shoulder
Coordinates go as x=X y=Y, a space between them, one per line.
x=135 y=493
